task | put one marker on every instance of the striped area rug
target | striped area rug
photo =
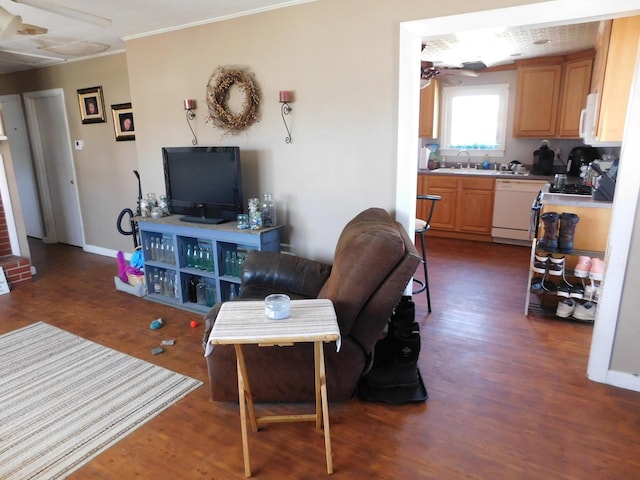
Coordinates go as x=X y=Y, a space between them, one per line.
x=64 y=400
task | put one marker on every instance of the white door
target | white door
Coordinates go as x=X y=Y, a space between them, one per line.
x=16 y=131
x=51 y=146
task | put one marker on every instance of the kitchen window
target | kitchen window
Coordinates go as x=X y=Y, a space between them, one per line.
x=475 y=119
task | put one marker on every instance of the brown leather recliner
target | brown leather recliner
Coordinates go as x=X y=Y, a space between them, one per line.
x=374 y=260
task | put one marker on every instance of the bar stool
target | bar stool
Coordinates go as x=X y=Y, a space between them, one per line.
x=423 y=226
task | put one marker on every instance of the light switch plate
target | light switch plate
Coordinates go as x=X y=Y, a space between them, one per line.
x=79 y=144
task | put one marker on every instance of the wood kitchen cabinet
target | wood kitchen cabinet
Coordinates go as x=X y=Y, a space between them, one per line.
x=617 y=50
x=550 y=94
x=575 y=88
x=537 y=97
x=429 y=110
x=466 y=208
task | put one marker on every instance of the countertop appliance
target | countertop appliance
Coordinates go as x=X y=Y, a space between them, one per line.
x=512 y=210
x=581 y=156
x=543 y=160
x=571 y=189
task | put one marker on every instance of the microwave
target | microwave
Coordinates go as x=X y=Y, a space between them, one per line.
x=588 y=124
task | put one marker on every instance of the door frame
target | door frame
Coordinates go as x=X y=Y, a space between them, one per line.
x=50 y=234
x=24 y=172
x=626 y=199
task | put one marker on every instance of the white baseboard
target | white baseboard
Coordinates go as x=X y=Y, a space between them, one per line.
x=624 y=380
x=106 y=252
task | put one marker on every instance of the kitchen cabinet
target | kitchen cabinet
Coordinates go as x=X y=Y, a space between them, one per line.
x=616 y=53
x=181 y=256
x=429 y=110
x=537 y=97
x=575 y=88
x=551 y=92
x=466 y=208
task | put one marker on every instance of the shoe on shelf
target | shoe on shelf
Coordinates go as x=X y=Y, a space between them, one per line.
x=540 y=264
x=586 y=311
x=556 y=266
x=566 y=308
x=591 y=292
x=582 y=267
x=597 y=269
x=549 y=287
x=576 y=291
x=536 y=285
x=563 y=290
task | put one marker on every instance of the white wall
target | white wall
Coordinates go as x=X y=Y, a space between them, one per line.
x=340 y=57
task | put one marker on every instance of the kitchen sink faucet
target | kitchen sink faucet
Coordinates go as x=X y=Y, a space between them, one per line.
x=468 y=156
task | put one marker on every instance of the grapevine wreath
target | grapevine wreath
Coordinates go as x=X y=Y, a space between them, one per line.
x=218 y=95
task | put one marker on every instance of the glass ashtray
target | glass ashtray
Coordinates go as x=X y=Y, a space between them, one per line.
x=277 y=306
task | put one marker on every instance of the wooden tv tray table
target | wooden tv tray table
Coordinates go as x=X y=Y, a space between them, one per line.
x=245 y=322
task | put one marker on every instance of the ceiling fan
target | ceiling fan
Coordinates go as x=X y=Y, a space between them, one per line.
x=429 y=70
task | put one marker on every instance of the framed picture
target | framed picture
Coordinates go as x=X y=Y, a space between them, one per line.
x=91 y=104
x=123 y=122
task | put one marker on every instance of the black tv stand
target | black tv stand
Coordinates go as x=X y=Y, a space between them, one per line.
x=208 y=221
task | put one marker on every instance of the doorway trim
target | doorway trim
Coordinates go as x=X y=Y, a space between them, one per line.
x=50 y=234
x=545 y=13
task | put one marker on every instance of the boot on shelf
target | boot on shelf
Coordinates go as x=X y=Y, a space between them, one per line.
x=549 y=240
x=568 y=222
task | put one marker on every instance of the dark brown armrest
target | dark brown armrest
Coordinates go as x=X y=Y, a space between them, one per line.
x=284 y=273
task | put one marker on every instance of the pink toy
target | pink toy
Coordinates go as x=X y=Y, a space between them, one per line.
x=122 y=268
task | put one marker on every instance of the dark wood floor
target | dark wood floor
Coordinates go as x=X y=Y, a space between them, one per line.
x=509 y=398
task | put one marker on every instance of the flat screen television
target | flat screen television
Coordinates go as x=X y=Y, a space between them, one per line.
x=203 y=184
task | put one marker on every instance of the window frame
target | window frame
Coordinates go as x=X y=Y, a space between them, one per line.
x=450 y=92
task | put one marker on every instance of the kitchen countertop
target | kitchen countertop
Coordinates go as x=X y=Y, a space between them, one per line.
x=473 y=172
x=571 y=200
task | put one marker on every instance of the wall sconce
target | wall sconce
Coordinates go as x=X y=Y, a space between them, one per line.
x=286 y=97
x=190 y=106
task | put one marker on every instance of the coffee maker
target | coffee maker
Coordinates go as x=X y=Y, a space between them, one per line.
x=543 y=160
x=581 y=156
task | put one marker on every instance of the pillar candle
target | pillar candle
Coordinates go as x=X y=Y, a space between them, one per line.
x=286 y=96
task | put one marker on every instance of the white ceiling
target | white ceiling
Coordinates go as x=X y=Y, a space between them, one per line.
x=129 y=18
x=504 y=46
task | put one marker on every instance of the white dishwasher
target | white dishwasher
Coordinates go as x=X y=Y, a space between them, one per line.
x=512 y=210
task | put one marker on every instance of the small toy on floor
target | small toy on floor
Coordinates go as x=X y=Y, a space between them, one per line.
x=194 y=324
x=156 y=324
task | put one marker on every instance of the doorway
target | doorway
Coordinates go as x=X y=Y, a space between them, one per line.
x=55 y=170
x=17 y=135
x=626 y=200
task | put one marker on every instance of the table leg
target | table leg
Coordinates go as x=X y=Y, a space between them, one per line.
x=316 y=369
x=321 y=390
x=242 y=368
x=245 y=402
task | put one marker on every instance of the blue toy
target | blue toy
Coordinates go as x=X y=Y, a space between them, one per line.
x=156 y=324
